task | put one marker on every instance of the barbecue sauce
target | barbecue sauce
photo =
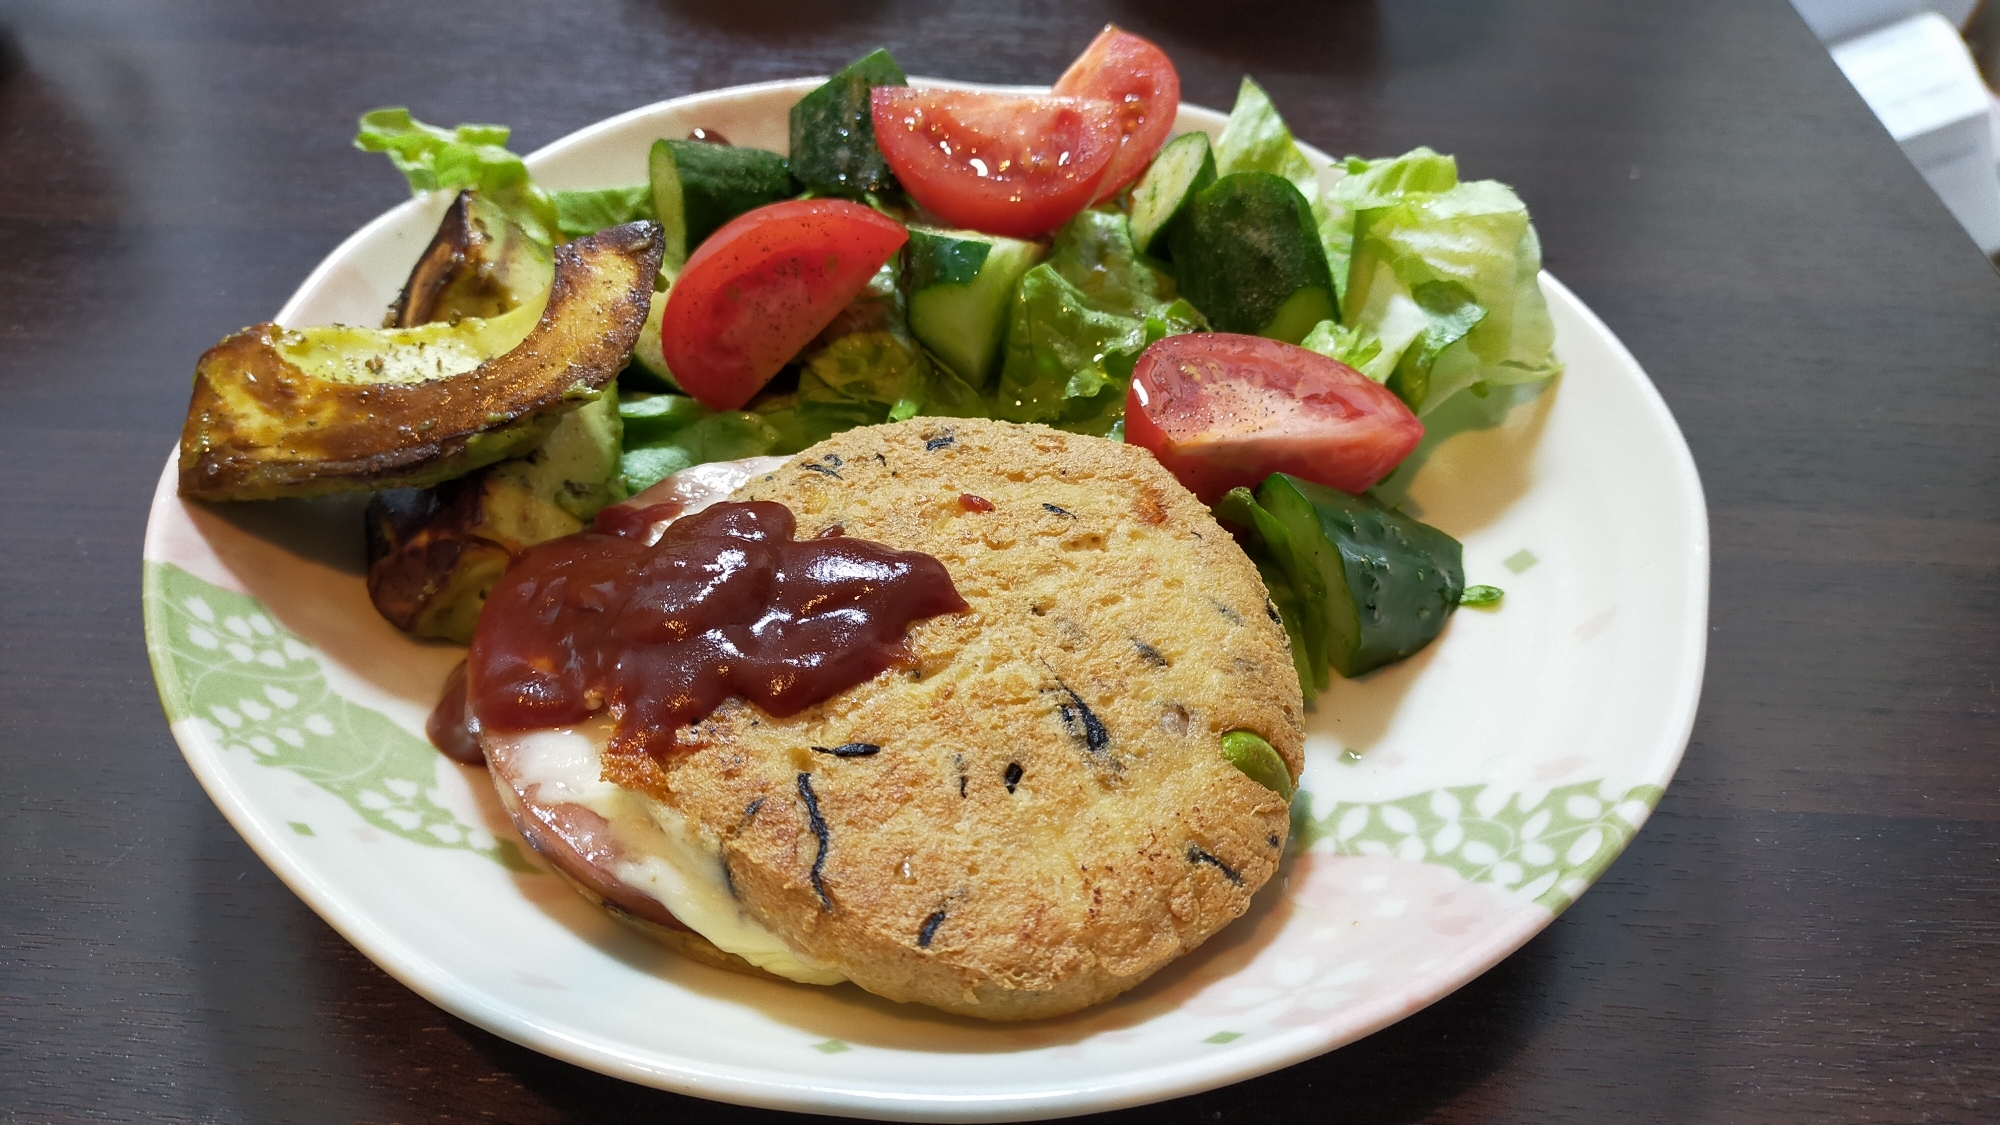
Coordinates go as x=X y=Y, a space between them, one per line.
x=726 y=603
x=450 y=726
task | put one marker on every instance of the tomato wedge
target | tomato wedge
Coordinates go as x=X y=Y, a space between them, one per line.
x=1138 y=78
x=1221 y=410
x=1001 y=163
x=761 y=287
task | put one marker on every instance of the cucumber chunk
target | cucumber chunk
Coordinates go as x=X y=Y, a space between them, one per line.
x=1249 y=257
x=648 y=368
x=698 y=186
x=1285 y=600
x=833 y=131
x=961 y=286
x=1401 y=579
x=1356 y=585
x=1183 y=168
x=1295 y=575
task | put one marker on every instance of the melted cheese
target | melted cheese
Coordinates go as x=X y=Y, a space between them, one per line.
x=665 y=856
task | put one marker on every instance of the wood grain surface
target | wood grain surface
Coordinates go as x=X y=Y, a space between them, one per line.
x=1808 y=929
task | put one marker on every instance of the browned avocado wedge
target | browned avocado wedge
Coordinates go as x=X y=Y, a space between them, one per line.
x=479 y=264
x=429 y=566
x=425 y=558
x=435 y=553
x=261 y=427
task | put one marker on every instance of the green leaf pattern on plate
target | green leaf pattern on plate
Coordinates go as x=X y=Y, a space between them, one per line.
x=221 y=661
x=1546 y=847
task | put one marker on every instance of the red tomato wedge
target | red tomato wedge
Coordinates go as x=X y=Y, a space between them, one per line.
x=1221 y=410
x=1000 y=163
x=1138 y=78
x=761 y=287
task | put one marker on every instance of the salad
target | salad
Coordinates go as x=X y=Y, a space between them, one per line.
x=1273 y=336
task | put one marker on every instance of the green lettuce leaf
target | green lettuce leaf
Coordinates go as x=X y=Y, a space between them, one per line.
x=1079 y=322
x=1368 y=186
x=1256 y=139
x=1063 y=357
x=1450 y=315
x=876 y=369
x=469 y=156
x=1067 y=364
x=1094 y=253
x=701 y=436
x=1351 y=346
x=866 y=368
x=582 y=213
x=1447 y=282
x=882 y=376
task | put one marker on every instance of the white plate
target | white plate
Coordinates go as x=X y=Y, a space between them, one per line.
x=1454 y=803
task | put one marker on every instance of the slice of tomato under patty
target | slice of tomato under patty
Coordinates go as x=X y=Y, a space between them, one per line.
x=761 y=287
x=1221 y=410
x=1010 y=164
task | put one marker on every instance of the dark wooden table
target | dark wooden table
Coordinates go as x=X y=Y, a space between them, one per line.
x=1809 y=928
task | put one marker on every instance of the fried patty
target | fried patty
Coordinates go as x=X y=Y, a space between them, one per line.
x=1035 y=814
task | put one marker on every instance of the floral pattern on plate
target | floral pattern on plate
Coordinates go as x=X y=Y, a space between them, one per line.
x=255 y=688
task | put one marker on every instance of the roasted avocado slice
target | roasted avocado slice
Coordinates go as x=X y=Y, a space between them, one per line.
x=479 y=264
x=280 y=412
x=435 y=553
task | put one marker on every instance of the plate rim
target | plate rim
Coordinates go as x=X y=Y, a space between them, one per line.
x=760 y=1086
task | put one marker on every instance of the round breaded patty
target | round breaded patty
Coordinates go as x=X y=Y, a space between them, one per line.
x=1036 y=815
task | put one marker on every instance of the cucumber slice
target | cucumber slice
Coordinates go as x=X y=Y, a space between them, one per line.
x=961 y=290
x=1296 y=574
x=1285 y=600
x=698 y=186
x=1398 y=579
x=1249 y=257
x=649 y=364
x=1183 y=167
x=833 y=132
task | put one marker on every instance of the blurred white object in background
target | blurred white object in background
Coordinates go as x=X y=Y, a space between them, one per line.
x=1918 y=77
x=1834 y=20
